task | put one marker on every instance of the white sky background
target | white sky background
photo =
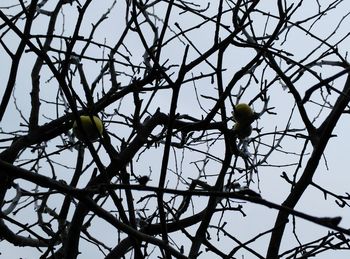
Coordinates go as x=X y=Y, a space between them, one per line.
x=271 y=185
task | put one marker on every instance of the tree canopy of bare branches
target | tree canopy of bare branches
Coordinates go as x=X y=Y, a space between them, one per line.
x=173 y=173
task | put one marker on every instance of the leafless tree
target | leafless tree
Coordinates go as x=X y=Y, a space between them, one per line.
x=171 y=175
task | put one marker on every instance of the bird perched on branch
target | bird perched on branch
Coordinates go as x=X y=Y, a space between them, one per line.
x=92 y=127
x=244 y=116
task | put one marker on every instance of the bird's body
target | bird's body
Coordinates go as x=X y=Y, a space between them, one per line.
x=242 y=131
x=91 y=128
